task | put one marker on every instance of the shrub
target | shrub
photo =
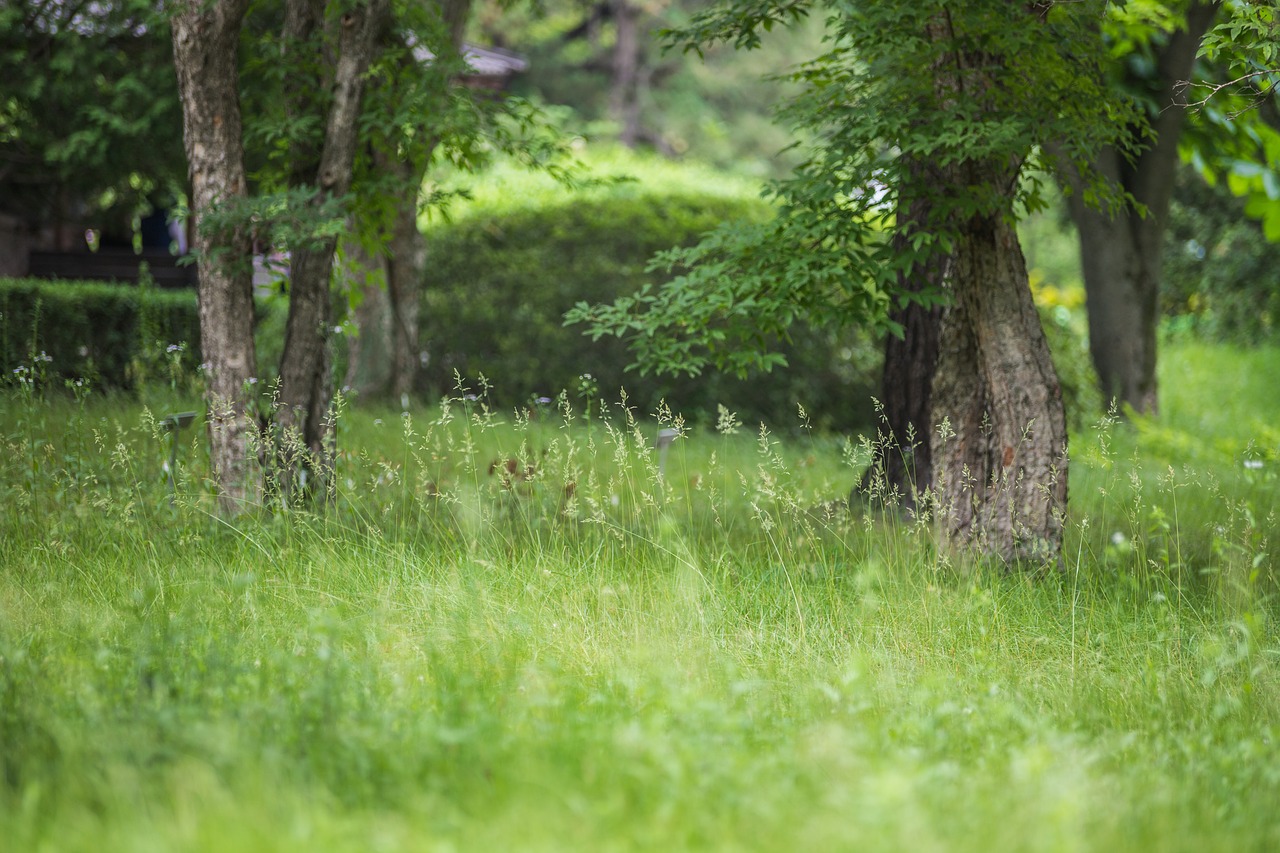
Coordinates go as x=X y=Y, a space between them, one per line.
x=499 y=282
x=115 y=335
x=1220 y=272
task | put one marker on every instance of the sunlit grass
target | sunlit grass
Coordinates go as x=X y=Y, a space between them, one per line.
x=454 y=658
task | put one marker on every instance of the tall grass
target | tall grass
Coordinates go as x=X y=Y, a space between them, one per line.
x=516 y=631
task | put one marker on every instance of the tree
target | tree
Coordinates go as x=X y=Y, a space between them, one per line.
x=1121 y=249
x=934 y=113
x=324 y=168
x=411 y=116
x=324 y=56
x=206 y=38
x=90 y=123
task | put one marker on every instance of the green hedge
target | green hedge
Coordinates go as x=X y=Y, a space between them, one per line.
x=497 y=285
x=111 y=334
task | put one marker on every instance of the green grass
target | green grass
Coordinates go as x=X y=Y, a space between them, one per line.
x=447 y=661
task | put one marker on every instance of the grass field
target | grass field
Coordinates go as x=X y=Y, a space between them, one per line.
x=571 y=652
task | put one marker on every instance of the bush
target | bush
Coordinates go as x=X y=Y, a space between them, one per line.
x=498 y=284
x=117 y=336
x=1221 y=275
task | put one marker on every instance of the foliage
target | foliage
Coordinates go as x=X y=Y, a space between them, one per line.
x=89 y=116
x=717 y=110
x=708 y=659
x=498 y=284
x=1220 y=273
x=113 y=336
x=874 y=113
x=1233 y=103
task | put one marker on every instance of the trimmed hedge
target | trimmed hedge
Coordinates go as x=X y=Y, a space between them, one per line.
x=111 y=334
x=498 y=284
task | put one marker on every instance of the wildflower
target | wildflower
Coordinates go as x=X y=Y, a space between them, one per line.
x=1253 y=464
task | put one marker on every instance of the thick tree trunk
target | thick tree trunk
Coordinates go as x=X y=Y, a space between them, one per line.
x=1121 y=256
x=305 y=382
x=903 y=465
x=205 y=41
x=1000 y=474
x=1120 y=259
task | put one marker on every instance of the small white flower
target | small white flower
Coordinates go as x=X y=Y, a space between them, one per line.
x=1119 y=539
x=1253 y=464
x=253 y=380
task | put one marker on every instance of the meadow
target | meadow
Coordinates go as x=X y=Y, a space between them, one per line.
x=527 y=631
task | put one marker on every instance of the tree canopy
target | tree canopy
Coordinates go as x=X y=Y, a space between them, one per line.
x=89 y=116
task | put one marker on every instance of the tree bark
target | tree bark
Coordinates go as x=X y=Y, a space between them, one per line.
x=902 y=469
x=1122 y=254
x=624 y=93
x=305 y=382
x=1000 y=451
x=205 y=42
x=1000 y=477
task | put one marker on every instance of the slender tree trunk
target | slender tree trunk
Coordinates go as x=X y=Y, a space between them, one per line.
x=1122 y=255
x=404 y=275
x=306 y=385
x=368 y=353
x=1000 y=473
x=384 y=358
x=205 y=41
x=624 y=95
x=393 y=312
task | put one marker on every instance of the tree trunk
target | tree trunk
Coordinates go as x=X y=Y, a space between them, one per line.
x=205 y=41
x=1120 y=259
x=624 y=94
x=1121 y=256
x=404 y=275
x=1000 y=474
x=306 y=386
x=903 y=465
x=391 y=310
x=368 y=353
